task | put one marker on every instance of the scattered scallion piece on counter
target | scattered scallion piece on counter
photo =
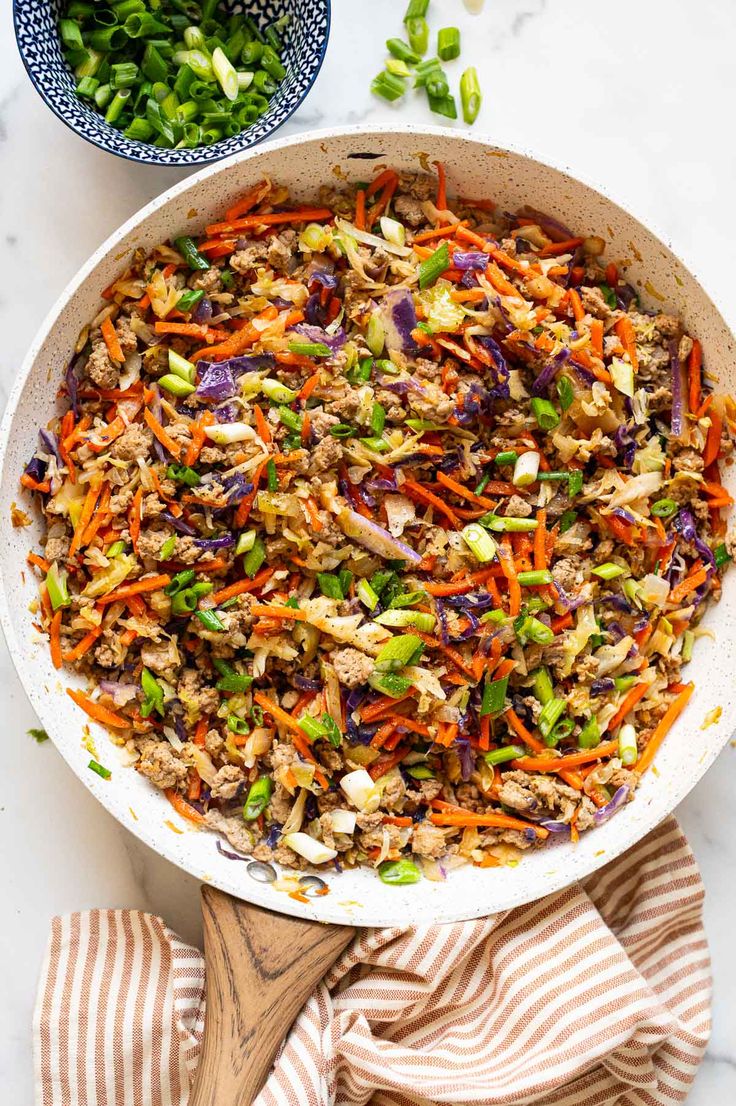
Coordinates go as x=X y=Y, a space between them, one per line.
x=163 y=79
x=391 y=83
x=38 y=735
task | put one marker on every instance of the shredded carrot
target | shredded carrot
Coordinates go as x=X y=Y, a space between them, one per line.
x=98 y=712
x=509 y=571
x=578 y=310
x=262 y=428
x=83 y=645
x=572 y=760
x=689 y=584
x=55 y=639
x=467 y=818
x=437 y=232
x=632 y=697
x=272 y=218
x=182 y=807
x=267 y=611
x=521 y=731
x=248 y=201
x=35 y=485
x=360 y=209
x=167 y=442
x=39 y=562
x=555 y=248
x=200 y=732
x=596 y=337
x=85 y=517
x=557 y=625
x=625 y=331
x=713 y=440
x=149 y=583
x=134 y=518
x=111 y=341
x=198 y=437
x=418 y=491
x=186 y=330
x=313 y=512
x=670 y=716
x=540 y=541
x=383 y=706
x=242 y=586
x=385 y=764
x=278 y=713
x=464 y=493
x=695 y=367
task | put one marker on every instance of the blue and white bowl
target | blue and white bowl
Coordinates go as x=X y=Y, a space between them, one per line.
x=305 y=44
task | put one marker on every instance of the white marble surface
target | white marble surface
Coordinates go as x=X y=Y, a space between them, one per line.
x=632 y=94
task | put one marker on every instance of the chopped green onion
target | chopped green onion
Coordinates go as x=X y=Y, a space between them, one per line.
x=184 y=602
x=167 y=548
x=663 y=508
x=272 y=478
x=417 y=31
x=575 y=482
x=87 y=87
x=504 y=754
x=375 y=334
x=567 y=519
x=590 y=735
x=276 y=391
x=480 y=542
x=71 y=35
x=139 y=130
x=117 y=104
x=332 y=730
x=565 y=392
x=609 y=296
x=290 y=419
x=417 y=9
x=153 y=694
x=448 y=43
x=608 y=571
x=506 y=457
x=388 y=86
x=366 y=594
x=721 y=555
x=470 y=95
x=190 y=253
x=254 y=558
x=378 y=445
x=180 y=581
x=123 y=75
x=508 y=523
x=528 y=628
x=526 y=468
x=378 y=419
x=210 y=620
x=443 y=105
x=399 y=49
x=494 y=696
x=408 y=599
x=115 y=549
x=311 y=349
x=224 y=70
x=258 y=798
x=38 y=735
x=543 y=688
x=421 y=772
x=535 y=578
x=179 y=366
x=623 y=683
x=390 y=683
x=551 y=712
x=183 y=474
x=342 y=430
x=176 y=385
x=399 y=652
x=56 y=586
x=419 y=619
x=434 y=266
x=399 y=873
x=482 y=484
x=100 y=769
x=313 y=728
x=187 y=301
x=688 y=641
x=544 y=413
x=329 y=585
x=245 y=542
x=628 y=750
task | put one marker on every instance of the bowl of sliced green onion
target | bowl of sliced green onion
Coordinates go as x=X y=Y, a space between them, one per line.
x=172 y=82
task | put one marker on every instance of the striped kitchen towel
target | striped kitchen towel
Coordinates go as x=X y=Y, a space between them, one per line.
x=595 y=996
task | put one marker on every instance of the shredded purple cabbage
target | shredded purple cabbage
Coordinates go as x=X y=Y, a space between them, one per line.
x=227 y=853
x=399 y=320
x=602 y=686
x=610 y=808
x=305 y=684
x=677 y=423
x=470 y=259
x=500 y=389
x=178 y=523
x=72 y=384
x=36 y=469
x=318 y=334
x=547 y=374
x=220 y=542
x=237 y=487
x=250 y=363
x=216 y=381
x=202 y=312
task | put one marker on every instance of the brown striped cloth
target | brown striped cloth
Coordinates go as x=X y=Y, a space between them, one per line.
x=595 y=996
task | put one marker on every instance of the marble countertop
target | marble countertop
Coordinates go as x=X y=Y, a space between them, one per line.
x=630 y=94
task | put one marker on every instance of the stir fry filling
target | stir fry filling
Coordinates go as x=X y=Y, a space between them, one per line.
x=381 y=527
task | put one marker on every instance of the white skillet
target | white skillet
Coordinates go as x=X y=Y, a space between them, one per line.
x=474 y=168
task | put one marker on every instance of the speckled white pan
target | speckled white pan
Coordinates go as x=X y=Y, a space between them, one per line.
x=474 y=169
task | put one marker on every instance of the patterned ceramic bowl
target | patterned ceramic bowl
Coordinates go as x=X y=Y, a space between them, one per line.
x=305 y=44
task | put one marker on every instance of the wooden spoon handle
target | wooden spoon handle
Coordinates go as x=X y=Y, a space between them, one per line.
x=261 y=968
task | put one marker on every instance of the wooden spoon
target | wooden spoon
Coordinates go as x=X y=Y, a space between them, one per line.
x=261 y=968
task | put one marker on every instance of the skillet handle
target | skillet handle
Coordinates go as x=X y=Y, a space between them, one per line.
x=261 y=968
